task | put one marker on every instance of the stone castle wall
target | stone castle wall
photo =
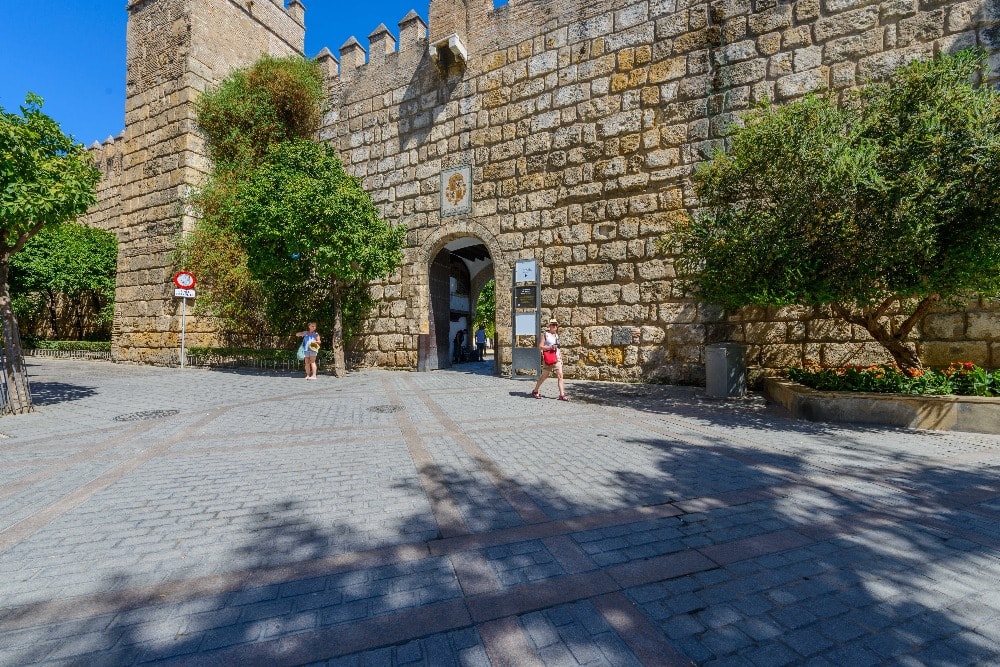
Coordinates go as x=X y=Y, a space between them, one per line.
x=176 y=49
x=106 y=213
x=583 y=121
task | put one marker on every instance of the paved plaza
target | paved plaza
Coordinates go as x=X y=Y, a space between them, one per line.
x=196 y=517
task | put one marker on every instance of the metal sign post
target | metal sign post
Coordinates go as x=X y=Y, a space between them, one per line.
x=527 y=306
x=185 y=282
x=184 y=303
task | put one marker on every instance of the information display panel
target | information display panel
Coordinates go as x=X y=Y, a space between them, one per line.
x=527 y=310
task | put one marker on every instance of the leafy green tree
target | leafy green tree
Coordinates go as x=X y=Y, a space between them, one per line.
x=879 y=210
x=73 y=263
x=286 y=235
x=46 y=179
x=311 y=231
x=486 y=308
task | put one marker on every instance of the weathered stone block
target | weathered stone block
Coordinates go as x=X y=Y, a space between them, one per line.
x=938 y=354
x=983 y=325
x=853 y=47
x=597 y=336
x=943 y=326
x=621 y=335
x=858 y=20
x=796 y=85
x=760 y=333
x=807 y=58
x=770 y=20
x=881 y=65
x=828 y=330
x=853 y=354
x=590 y=273
x=600 y=294
x=834 y=6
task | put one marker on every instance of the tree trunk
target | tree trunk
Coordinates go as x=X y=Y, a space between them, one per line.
x=78 y=309
x=50 y=300
x=904 y=355
x=880 y=329
x=339 y=366
x=15 y=395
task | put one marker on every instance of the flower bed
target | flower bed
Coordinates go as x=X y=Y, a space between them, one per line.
x=960 y=379
x=962 y=397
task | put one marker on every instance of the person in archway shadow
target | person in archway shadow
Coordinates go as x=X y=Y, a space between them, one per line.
x=459 y=344
x=551 y=360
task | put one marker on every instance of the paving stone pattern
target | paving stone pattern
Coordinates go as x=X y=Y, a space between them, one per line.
x=392 y=518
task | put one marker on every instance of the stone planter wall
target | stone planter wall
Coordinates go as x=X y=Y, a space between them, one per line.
x=973 y=414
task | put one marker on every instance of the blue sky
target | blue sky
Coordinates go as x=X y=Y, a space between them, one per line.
x=72 y=53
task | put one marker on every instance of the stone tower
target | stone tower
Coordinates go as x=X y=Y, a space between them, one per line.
x=176 y=49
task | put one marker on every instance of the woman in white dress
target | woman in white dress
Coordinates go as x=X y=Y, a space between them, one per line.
x=549 y=345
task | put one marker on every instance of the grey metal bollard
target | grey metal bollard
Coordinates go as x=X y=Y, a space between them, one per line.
x=725 y=370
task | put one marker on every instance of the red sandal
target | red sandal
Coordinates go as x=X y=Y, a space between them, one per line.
x=562 y=397
x=536 y=394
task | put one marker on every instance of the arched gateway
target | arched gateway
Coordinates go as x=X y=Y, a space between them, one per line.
x=460 y=260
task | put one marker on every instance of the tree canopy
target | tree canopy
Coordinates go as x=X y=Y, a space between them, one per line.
x=886 y=205
x=45 y=177
x=275 y=100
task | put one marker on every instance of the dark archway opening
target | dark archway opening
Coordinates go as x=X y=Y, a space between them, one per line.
x=456 y=277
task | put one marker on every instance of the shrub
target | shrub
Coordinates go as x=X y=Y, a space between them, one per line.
x=69 y=345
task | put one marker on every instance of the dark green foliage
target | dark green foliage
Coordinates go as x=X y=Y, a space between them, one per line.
x=275 y=100
x=887 y=205
x=72 y=263
x=227 y=291
x=304 y=218
x=72 y=345
x=310 y=230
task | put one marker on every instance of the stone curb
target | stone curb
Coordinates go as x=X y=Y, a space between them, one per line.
x=971 y=414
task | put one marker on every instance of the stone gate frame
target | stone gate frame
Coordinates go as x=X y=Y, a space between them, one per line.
x=433 y=243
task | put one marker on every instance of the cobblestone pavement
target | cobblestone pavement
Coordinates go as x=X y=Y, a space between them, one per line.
x=233 y=518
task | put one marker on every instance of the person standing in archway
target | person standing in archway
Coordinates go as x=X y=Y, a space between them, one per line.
x=551 y=360
x=480 y=343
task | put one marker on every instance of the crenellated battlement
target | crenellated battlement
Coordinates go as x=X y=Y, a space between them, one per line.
x=383 y=48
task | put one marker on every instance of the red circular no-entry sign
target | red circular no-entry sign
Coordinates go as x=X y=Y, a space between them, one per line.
x=185 y=280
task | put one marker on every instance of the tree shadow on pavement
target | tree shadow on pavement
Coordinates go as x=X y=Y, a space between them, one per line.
x=752 y=415
x=808 y=566
x=52 y=393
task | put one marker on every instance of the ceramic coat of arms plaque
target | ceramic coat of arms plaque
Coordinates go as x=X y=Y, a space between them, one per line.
x=456 y=191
